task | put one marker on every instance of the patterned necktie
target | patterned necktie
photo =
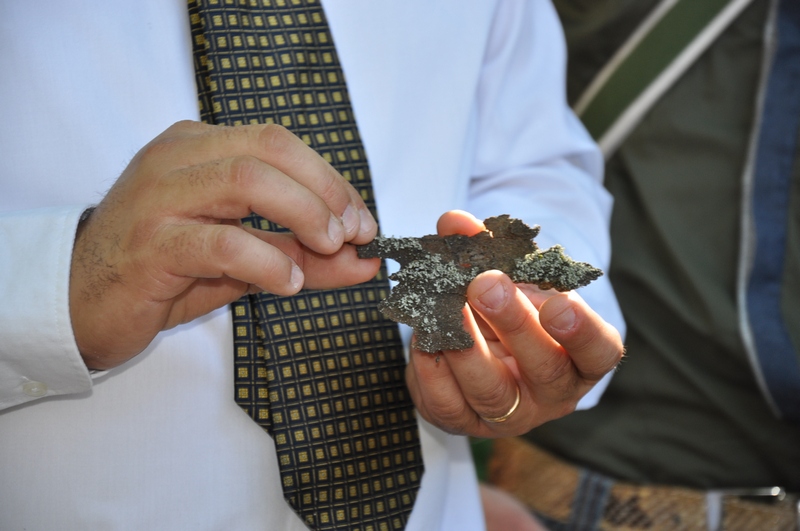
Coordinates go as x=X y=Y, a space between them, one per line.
x=321 y=371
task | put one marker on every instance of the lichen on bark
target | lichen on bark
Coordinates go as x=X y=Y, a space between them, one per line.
x=435 y=271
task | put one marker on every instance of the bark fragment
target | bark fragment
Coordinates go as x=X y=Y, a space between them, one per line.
x=435 y=271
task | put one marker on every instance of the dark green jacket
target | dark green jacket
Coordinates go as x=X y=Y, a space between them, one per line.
x=689 y=405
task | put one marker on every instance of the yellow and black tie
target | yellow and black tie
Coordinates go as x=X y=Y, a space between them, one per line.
x=321 y=371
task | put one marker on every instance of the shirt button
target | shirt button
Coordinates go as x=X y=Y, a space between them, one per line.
x=34 y=389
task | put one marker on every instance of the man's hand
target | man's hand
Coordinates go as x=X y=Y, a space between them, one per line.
x=547 y=349
x=165 y=245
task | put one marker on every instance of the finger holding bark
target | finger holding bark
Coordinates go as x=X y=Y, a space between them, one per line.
x=233 y=188
x=275 y=146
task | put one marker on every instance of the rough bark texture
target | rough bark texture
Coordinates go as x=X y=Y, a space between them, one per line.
x=435 y=272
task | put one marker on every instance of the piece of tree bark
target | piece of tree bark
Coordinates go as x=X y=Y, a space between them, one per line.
x=435 y=271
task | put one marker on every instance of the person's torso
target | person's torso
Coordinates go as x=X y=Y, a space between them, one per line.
x=160 y=443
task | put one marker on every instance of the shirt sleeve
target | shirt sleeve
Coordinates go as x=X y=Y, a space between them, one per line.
x=38 y=354
x=535 y=160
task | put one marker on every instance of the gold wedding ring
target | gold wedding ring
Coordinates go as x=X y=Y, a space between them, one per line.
x=503 y=418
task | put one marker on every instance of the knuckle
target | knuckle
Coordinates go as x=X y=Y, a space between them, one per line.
x=597 y=351
x=452 y=416
x=185 y=126
x=316 y=218
x=494 y=401
x=159 y=146
x=602 y=364
x=331 y=186
x=554 y=370
x=223 y=244
x=556 y=402
x=171 y=135
x=164 y=143
x=275 y=136
x=288 y=147
x=243 y=171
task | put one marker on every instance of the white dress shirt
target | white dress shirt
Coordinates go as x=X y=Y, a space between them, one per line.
x=471 y=115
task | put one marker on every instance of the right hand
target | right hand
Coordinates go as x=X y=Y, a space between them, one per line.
x=165 y=245
x=535 y=355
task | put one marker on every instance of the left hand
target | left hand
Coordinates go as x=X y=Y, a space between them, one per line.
x=546 y=347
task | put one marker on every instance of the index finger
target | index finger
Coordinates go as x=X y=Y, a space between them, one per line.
x=194 y=143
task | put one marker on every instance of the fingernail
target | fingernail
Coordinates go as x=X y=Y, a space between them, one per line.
x=297 y=277
x=351 y=220
x=564 y=320
x=494 y=297
x=368 y=224
x=335 y=230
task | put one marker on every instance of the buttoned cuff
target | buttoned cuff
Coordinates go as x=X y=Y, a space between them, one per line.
x=38 y=353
